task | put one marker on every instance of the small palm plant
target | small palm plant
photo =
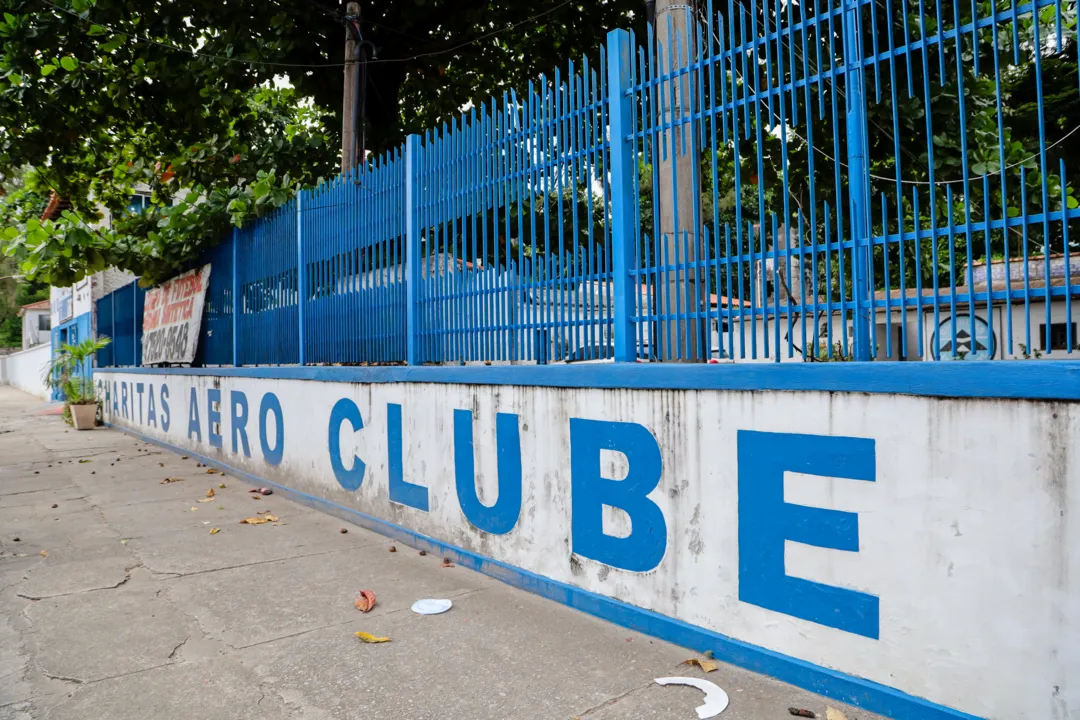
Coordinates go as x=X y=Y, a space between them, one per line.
x=63 y=373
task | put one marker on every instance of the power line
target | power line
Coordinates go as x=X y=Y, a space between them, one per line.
x=269 y=63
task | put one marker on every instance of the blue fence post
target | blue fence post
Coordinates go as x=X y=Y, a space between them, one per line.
x=624 y=183
x=134 y=323
x=112 y=327
x=858 y=183
x=412 y=252
x=235 y=304
x=300 y=284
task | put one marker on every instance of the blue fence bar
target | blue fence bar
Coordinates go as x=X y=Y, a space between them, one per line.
x=119 y=318
x=750 y=181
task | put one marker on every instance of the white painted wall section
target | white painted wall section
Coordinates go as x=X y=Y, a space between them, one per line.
x=961 y=584
x=26 y=370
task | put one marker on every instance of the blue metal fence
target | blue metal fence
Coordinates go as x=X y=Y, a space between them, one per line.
x=823 y=180
x=119 y=318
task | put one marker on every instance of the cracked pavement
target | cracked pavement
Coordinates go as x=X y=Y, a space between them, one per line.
x=117 y=603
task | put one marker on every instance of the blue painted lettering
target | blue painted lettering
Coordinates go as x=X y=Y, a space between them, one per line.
x=115 y=396
x=124 y=399
x=644 y=547
x=213 y=416
x=151 y=406
x=766 y=522
x=139 y=387
x=501 y=517
x=238 y=421
x=345 y=410
x=270 y=404
x=165 y=417
x=401 y=492
x=193 y=426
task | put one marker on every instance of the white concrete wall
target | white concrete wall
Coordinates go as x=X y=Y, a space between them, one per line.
x=26 y=370
x=962 y=586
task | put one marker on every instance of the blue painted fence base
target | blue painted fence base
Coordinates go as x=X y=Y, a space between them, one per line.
x=841 y=687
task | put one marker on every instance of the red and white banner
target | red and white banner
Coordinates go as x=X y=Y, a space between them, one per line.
x=172 y=318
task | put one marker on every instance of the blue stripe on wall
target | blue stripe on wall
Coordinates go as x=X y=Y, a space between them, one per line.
x=1032 y=380
x=860 y=692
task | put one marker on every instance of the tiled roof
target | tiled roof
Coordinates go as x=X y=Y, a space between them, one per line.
x=39 y=305
x=56 y=206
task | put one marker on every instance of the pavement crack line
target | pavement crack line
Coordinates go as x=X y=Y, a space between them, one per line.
x=127 y=578
x=612 y=701
x=177 y=648
x=62 y=678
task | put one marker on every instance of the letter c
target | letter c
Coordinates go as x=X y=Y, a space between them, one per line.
x=345 y=410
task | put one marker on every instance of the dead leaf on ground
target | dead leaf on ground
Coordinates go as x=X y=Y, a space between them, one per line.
x=369 y=638
x=222 y=486
x=210 y=493
x=256 y=497
x=44 y=554
x=834 y=714
x=212 y=471
x=206 y=500
x=365 y=600
x=446 y=563
x=706 y=665
x=215 y=531
x=85 y=460
x=260 y=520
x=193 y=508
x=166 y=481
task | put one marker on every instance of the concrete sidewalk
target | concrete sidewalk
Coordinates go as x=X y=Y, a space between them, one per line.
x=116 y=602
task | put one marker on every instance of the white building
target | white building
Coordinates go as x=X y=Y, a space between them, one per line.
x=1000 y=315
x=36 y=324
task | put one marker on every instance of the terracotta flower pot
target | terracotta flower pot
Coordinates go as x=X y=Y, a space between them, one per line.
x=84 y=416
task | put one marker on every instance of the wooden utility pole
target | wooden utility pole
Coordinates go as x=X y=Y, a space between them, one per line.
x=678 y=227
x=351 y=100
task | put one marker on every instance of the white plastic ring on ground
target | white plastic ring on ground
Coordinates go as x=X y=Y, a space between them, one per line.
x=716 y=700
x=430 y=606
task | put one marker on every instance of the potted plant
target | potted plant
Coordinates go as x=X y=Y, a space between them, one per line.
x=69 y=371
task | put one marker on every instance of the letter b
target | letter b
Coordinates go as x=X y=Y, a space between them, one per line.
x=644 y=547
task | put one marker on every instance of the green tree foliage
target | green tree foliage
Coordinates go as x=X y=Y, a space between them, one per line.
x=99 y=95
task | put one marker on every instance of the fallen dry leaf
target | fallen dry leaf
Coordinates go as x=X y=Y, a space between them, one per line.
x=166 y=481
x=222 y=486
x=212 y=471
x=44 y=554
x=193 y=508
x=365 y=600
x=215 y=531
x=446 y=563
x=85 y=460
x=205 y=500
x=256 y=497
x=834 y=714
x=210 y=493
x=369 y=638
x=261 y=519
x=706 y=665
